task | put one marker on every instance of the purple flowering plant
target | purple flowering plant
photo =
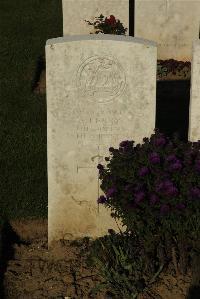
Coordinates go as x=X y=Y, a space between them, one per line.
x=154 y=187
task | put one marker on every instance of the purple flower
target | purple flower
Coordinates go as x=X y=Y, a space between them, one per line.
x=125 y=149
x=143 y=171
x=171 y=191
x=161 y=186
x=125 y=146
x=164 y=209
x=167 y=188
x=168 y=184
x=154 y=158
x=124 y=143
x=175 y=166
x=139 y=187
x=197 y=165
x=153 y=199
x=171 y=158
x=159 y=141
x=139 y=196
x=180 y=206
x=111 y=191
x=129 y=188
x=101 y=199
x=195 y=192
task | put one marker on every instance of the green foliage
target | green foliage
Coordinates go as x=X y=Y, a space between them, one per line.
x=122 y=264
x=140 y=181
x=25 y=27
x=108 y=25
x=161 y=70
x=154 y=188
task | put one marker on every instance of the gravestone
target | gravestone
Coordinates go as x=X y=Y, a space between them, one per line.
x=194 y=108
x=101 y=90
x=76 y=11
x=173 y=24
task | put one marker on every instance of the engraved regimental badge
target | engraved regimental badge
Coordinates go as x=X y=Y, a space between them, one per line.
x=100 y=78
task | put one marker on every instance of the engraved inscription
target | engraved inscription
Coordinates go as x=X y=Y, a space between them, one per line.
x=100 y=78
x=103 y=141
x=102 y=120
x=97 y=157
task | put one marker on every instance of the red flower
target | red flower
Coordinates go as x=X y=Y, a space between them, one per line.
x=111 y=20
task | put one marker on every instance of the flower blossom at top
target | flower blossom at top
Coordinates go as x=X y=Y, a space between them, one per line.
x=111 y=20
x=143 y=171
x=101 y=199
x=159 y=141
x=154 y=158
x=111 y=191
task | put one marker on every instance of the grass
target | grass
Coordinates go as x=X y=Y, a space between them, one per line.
x=25 y=27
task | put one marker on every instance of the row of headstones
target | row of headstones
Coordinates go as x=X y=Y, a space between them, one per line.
x=101 y=90
x=173 y=24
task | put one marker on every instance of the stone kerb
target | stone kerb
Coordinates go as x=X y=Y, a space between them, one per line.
x=101 y=90
x=194 y=108
x=76 y=11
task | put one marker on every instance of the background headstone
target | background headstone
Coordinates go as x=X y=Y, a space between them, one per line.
x=76 y=11
x=173 y=24
x=101 y=90
x=194 y=109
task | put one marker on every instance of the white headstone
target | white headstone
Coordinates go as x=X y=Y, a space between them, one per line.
x=76 y=11
x=194 y=110
x=101 y=90
x=173 y=24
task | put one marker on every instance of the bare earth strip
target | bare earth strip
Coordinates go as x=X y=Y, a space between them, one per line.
x=36 y=272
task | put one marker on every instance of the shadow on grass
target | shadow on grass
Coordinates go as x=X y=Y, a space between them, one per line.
x=40 y=66
x=8 y=239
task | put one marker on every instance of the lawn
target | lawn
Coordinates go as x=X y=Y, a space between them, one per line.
x=25 y=27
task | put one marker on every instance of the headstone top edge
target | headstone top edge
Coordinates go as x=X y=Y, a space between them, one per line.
x=111 y=37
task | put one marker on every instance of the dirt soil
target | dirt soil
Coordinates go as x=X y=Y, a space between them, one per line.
x=61 y=272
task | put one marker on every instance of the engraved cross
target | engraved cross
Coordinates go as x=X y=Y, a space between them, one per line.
x=100 y=159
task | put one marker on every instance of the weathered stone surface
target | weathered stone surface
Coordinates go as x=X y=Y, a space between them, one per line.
x=173 y=24
x=76 y=11
x=194 y=109
x=101 y=90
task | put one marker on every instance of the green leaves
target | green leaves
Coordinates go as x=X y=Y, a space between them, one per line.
x=108 y=25
x=161 y=71
x=157 y=202
x=119 y=265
